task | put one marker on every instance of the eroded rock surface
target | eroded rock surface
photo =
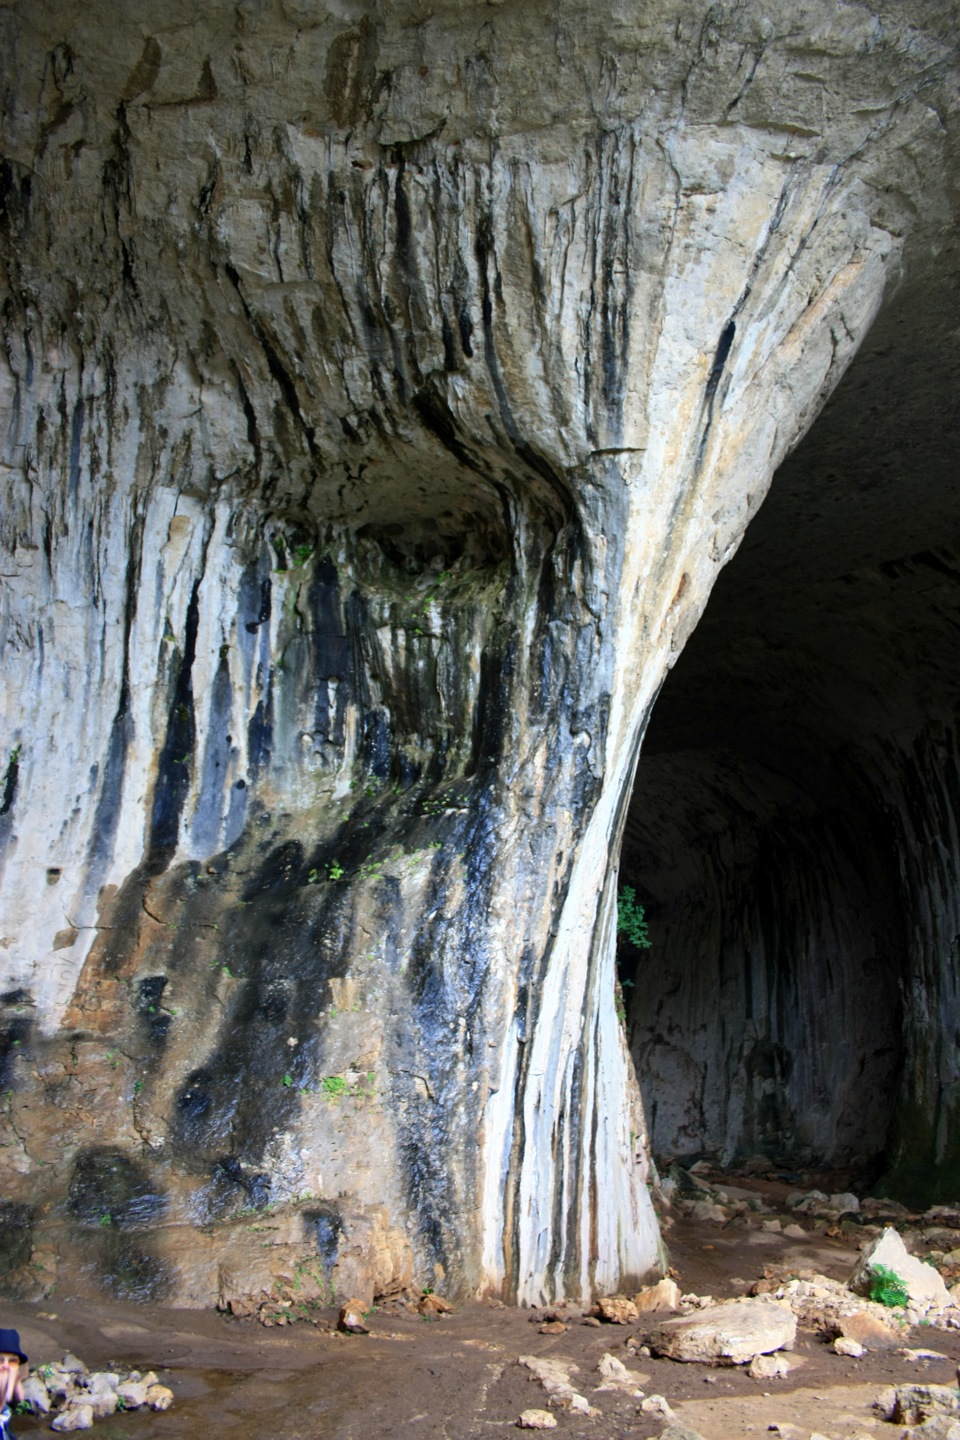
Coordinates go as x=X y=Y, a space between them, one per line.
x=379 y=409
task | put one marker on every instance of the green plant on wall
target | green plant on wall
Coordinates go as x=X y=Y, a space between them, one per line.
x=631 y=920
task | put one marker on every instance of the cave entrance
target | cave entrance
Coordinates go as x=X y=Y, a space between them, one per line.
x=793 y=827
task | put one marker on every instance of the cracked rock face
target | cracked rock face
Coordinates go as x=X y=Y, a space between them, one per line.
x=383 y=393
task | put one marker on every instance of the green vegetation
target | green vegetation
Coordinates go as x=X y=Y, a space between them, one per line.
x=336 y=870
x=334 y=1087
x=631 y=920
x=886 y=1287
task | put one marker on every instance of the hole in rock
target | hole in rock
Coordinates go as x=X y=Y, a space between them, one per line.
x=793 y=831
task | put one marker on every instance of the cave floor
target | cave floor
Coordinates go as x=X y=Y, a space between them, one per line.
x=458 y=1377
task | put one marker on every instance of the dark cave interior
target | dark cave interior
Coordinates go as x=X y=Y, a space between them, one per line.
x=793 y=830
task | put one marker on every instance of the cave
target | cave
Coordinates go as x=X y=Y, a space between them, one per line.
x=793 y=827
x=378 y=412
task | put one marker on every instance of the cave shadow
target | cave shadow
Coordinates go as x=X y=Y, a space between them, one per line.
x=793 y=827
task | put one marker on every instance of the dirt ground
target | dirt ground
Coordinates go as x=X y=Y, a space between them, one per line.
x=458 y=1377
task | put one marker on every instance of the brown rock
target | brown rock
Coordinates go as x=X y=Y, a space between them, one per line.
x=537 y=1420
x=352 y=1320
x=665 y=1295
x=553 y=1327
x=617 y=1310
x=433 y=1305
x=868 y=1330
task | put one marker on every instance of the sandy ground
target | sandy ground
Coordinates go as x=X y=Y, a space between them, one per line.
x=458 y=1377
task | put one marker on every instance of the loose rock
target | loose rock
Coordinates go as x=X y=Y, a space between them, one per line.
x=769 y=1367
x=916 y=1403
x=537 y=1420
x=657 y=1405
x=731 y=1333
x=665 y=1295
x=923 y=1284
x=74 y=1417
x=352 y=1320
x=617 y=1310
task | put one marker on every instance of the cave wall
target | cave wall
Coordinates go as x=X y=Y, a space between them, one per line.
x=377 y=417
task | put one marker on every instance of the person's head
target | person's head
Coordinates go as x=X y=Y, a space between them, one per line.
x=11 y=1356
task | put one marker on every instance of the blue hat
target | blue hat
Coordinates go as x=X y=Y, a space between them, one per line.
x=10 y=1344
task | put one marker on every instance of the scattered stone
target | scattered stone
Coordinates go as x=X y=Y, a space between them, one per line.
x=914 y=1356
x=616 y=1310
x=939 y=1427
x=657 y=1405
x=665 y=1295
x=773 y=1225
x=916 y=1403
x=74 y=1417
x=924 y=1285
x=875 y=1209
x=616 y=1376
x=709 y=1213
x=730 y=1333
x=159 y=1397
x=591 y=1320
x=794 y=1232
x=786 y=1431
x=807 y=1204
x=537 y=1420
x=554 y=1375
x=430 y=1304
x=553 y=1327
x=36 y=1395
x=352 y=1320
x=845 y=1345
x=132 y=1394
x=82 y=1396
x=869 y=1330
x=769 y=1367
x=680 y=1432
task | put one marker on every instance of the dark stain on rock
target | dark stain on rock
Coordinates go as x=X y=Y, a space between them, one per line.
x=10 y=777
x=351 y=72
x=110 y=1188
x=149 y=997
x=16 y=1236
x=175 y=763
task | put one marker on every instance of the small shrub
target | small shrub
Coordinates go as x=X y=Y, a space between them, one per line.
x=886 y=1287
x=333 y=1086
x=631 y=920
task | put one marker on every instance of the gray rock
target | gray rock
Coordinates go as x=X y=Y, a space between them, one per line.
x=924 y=1285
x=731 y=1333
x=76 y=1416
